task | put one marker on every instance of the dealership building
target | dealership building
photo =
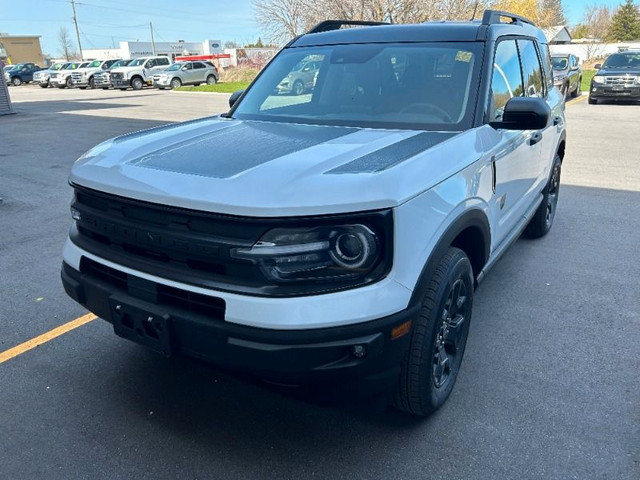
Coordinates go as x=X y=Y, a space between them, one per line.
x=20 y=49
x=167 y=49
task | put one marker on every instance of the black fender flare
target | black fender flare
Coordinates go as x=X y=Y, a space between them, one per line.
x=474 y=218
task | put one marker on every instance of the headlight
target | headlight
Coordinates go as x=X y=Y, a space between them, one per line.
x=598 y=79
x=348 y=254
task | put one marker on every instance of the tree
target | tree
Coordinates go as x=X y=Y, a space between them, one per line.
x=282 y=20
x=596 y=25
x=625 y=24
x=64 y=41
x=231 y=44
x=545 y=13
x=552 y=13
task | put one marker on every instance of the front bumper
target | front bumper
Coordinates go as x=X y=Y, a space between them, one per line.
x=599 y=91
x=80 y=82
x=120 y=83
x=363 y=357
x=55 y=82
x=161 y=82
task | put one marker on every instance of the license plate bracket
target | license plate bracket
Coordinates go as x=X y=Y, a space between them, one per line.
x=141 y=325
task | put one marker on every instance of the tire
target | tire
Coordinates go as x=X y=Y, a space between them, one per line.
x=211 y=80
x=577 y=91
x=69 y=83
x=82 y=88
x=592 y=101
x=92 y=83
x=137 y=83
x=298 y=88
x=105 y=88
x=175 y=83
x=43 y=86
x=16 y=81
x=542 y=220
x=438 y=341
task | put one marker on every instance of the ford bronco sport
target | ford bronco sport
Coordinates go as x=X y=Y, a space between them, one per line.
x=333 y=238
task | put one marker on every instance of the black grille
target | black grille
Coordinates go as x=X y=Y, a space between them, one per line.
x=158 y=294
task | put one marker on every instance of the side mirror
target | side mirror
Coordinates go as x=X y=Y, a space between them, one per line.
x=184 y=69
x=597 y=66
x=574 y=68
x=524 y=113
x=234 y=97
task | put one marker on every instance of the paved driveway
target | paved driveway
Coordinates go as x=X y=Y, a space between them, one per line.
x=550 y=385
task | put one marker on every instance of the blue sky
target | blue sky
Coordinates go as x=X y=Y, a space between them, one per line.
x=104 y=22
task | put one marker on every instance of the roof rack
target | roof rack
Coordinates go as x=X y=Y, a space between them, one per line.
x=492 y=17
x=329 y=25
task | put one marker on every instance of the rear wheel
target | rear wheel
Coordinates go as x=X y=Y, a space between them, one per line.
x=542 y=220
x=439 y=337
x=16 y=81
x=211 y=80
x=136 y=83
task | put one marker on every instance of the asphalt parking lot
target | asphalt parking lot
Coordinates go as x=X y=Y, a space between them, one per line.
x=550 y=385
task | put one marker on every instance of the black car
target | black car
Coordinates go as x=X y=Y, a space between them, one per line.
x=567 y=75
x=618 y=78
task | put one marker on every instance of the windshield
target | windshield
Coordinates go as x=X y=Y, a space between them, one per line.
x=120 y=63
x=72 y=66
x=95 y=64
x=559 y=63
x=175 y=66
x=137 y=62
x=56 y=66
x=422 y=86
x=623 y=60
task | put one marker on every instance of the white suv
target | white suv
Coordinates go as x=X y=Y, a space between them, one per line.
x=332 y=239
x=138 y=73
x=84 y=77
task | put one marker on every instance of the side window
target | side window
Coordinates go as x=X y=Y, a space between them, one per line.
x=163 y=61
x=198 y=65
x=189 y=66
x=506 y=81
x=531 y=69
x=546 y=65
x=150 y=64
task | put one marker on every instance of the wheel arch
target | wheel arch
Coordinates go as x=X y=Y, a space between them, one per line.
x=471 y=233
x=562 y=144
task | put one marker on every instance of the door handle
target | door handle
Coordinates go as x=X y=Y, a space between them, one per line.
x=535 y=138
x=557 y=121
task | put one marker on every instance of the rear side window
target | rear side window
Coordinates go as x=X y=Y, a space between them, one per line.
x=506 y=81
x=162 y=61
x=198 y=65
x=531 y=69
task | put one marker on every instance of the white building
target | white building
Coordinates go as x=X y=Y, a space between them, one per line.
x=168 y=49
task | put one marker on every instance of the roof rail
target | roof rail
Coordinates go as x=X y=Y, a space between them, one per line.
x=329 y=25
x=492 y=17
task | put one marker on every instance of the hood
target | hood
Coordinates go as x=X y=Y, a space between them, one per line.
x=126 y=68
x=619 y=71
x=273 y=169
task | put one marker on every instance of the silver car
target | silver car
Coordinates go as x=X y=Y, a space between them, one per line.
x=186 y=73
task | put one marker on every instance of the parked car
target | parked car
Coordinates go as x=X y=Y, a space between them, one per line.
x=618 y=78
x=62 y=78
x=567 y=74
x=138 y=73
x=20 y=73
x=185 y=73
x=335 y=242
x=42 y=77
x=84 y=77
x=102 y=79
x=301 y=78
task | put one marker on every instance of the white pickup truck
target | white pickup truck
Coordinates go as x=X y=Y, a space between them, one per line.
x=138 y=73
x=84 y=77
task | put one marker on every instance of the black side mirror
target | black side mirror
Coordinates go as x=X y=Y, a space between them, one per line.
x=524 y=113
x=597 y=66
x=234 y=97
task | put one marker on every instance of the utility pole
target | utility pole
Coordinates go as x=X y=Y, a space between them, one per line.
x=153 y=44
x=75 y=21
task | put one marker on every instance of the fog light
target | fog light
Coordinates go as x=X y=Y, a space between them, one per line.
x=75 y=214
x=358 y=351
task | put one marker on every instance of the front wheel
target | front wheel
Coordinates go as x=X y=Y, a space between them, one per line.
x=542 y=220
x=137 y=84
x=298 y=88
x=69 y=83
x=44 y=85
x=438 y=338
x=592 y=101
x=92 y=83
x=176 y=83
x=577 y=91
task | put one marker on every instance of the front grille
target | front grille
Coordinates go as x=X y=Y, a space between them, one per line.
x=620 y=80
x=156 y=293
x=116 y=76
x=76 y=76
x=184 y=245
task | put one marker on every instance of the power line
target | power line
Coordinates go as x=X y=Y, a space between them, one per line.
x=75 y=21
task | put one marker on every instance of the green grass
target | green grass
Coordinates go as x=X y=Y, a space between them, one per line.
x=223 y=87
x=587 y=75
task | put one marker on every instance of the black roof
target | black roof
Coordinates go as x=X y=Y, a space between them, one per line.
x=329 y=33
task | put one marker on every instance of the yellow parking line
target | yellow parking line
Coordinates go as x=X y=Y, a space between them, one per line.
x=579 y=99
x=45 y=337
